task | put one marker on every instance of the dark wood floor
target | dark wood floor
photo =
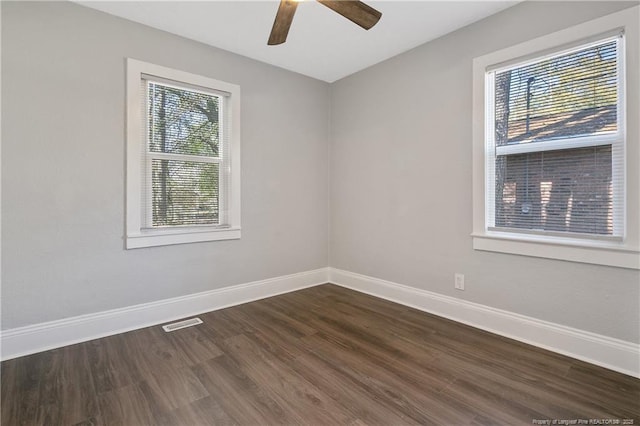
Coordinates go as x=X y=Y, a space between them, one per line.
x=321 y=356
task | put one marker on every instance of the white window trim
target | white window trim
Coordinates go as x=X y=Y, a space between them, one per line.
x=137 y=235
x=624 y=253
x=614 y=139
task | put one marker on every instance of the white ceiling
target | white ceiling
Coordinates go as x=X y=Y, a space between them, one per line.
x=321 y=43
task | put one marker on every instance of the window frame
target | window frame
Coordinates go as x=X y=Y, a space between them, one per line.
x=612 y=251
x=138 y=234
x=615 y=140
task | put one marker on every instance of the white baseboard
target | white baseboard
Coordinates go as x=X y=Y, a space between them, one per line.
x=614 y=354
x=54 y=334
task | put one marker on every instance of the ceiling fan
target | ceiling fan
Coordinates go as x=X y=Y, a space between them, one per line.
x=355 y=11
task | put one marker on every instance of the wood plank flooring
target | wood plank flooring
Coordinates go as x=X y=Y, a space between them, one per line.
x=321 y=356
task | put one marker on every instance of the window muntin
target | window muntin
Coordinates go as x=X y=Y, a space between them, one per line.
x=555 y=144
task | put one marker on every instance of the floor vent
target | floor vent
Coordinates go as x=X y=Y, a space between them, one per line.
x=181 y=324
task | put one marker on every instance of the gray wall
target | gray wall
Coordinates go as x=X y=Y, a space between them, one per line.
x=400 y=170
x=63 y=81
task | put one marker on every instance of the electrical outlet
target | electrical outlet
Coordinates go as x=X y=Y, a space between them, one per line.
x=459 y=281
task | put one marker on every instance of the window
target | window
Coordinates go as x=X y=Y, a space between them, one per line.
x=554 y=143
x=182 y=157
x=552 y=148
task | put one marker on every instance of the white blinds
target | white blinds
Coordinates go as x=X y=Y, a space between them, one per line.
x=571 y=95
x=185 y=156
x=557 y=143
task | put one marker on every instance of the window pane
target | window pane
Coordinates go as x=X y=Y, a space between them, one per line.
x=565 y=190
x=566 y=96
x=181 y=121
x=184 y=193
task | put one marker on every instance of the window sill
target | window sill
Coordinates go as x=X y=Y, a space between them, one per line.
x=597 y=253
x=166 y=237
